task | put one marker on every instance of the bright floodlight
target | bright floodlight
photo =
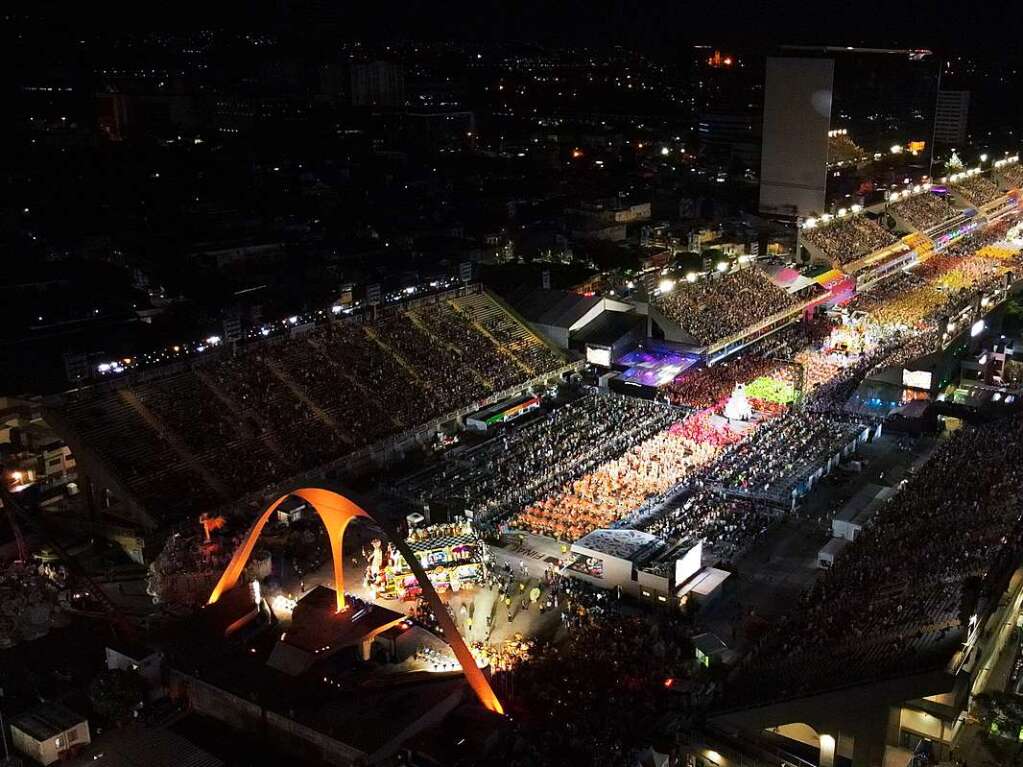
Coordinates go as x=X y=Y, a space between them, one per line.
x=896 y=149
x=983 y=157
x=722 y=266
x=666 y=286
x=691 y=277
x=665 y=151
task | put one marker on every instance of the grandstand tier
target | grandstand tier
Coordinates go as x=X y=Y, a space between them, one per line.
x=722 y=312
x=173 y=445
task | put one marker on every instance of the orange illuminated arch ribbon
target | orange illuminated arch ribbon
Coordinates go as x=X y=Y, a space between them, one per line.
x=336 y=511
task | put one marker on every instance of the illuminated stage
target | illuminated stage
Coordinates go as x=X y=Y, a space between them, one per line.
x=647 y=367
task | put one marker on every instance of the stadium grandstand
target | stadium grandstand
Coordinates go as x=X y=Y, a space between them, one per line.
x=913 y=602
x=1009 y=172
x=162 y=445
x=921 y=209
x=974 y=188
x=720 y=313
x=845 y=238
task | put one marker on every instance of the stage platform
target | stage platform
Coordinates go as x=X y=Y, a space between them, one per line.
x=648 y=367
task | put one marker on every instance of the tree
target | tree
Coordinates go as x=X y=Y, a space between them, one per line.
x=116 y=693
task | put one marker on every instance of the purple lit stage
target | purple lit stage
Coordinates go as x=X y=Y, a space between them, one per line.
x=653 y=368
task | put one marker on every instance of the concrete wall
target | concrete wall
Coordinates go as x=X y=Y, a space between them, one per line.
x=295 y=737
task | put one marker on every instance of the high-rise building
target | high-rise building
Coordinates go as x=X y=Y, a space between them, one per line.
x=112 y=115
x=797 y=118
x=378 y=84
x=950 y=115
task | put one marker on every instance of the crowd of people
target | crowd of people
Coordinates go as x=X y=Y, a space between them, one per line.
x=901 y=596
x=238 y=422
x=783 y=452
x=717 y=307
x=595 y=698
x=923 y=211
x=728 y=526
x=533 y=460
x=819 y=367
x=616 y=488
x=977 y=190
x=846 y=239
x=1013 y=175
x=509 y=334
x=710 y=387
x=942 y=285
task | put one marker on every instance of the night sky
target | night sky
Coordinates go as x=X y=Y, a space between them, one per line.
x=657 y=26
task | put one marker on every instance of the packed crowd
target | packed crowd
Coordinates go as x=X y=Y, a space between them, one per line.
x=595 y=698
x=1013 y=175
x=845 y=239
x=616 y=488
x=507 y=332
x=783 y=452
x=710 y=387
x=923 y=211
x=533 y=460
x=457 y=334
x=977 y=190
x=941 y=286
x=900 y=598
x=728 y=526
x=818 y=367
x=237 y=423
x=715 y=308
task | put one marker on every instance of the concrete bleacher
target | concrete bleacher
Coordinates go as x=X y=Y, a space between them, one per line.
x=195 y=438
x=514 y=336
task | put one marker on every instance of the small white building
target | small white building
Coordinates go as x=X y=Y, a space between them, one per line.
x=290 y=512
x=145 y=662
x=644 y=566
x=826 y=556
x=49 y=733
x=858 y=512
x=611 y=558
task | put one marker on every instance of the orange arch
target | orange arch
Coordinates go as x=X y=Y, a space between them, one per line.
x=336 y=511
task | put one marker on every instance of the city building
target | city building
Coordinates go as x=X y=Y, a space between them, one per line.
x=378 y=84
x=951 y=114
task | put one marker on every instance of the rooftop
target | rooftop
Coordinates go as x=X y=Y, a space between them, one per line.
x=609 y=327
x=561 y=308
x=47 y=721
x=620 y=543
